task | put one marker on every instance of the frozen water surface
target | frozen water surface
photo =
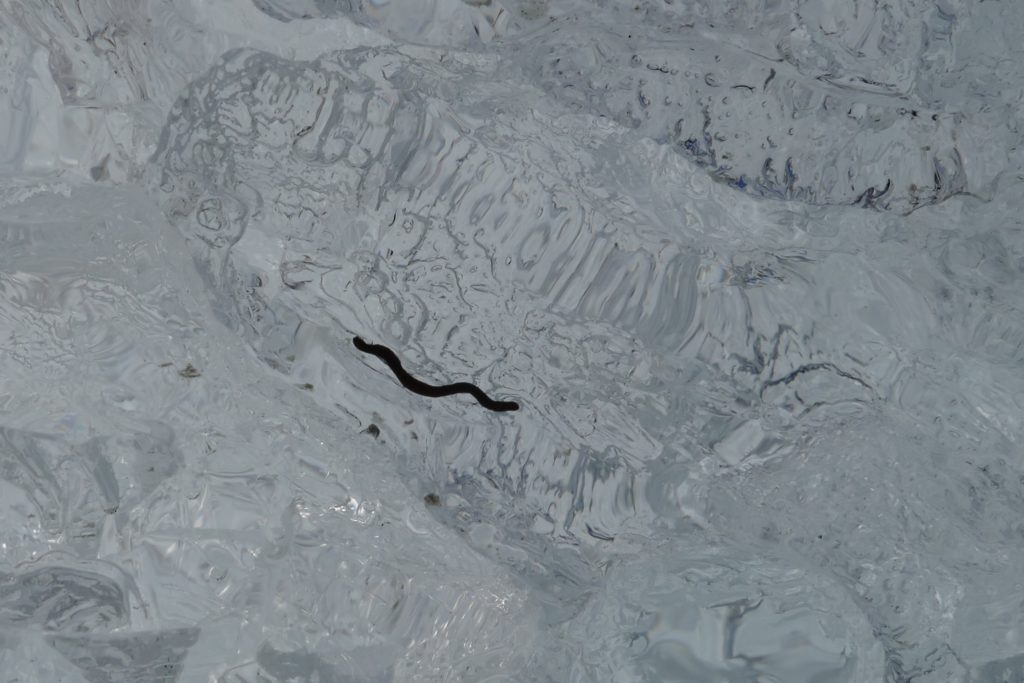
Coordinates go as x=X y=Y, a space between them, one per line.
x=752 y=269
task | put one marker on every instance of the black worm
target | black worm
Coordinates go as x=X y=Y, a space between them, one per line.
x=424 y=389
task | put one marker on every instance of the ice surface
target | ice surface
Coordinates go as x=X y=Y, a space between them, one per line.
x=752 y=269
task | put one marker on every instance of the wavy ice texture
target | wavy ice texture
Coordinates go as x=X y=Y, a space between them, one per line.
x=751 y=269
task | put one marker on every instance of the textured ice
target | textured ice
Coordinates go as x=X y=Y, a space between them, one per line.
x=752 y=268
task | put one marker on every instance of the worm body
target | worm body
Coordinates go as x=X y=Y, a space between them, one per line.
x=422 y=388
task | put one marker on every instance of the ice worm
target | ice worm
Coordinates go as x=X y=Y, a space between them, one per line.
x=422 y=388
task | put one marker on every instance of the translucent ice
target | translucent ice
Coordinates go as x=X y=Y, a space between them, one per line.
x=753 y=271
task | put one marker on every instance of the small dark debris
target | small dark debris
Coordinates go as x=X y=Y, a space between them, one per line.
x=307 y=386
x=432 y=499
x=373 y=430
x=166 y=365
x=189 y=372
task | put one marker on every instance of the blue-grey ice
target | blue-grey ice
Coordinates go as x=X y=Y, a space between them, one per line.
x=752 y=269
